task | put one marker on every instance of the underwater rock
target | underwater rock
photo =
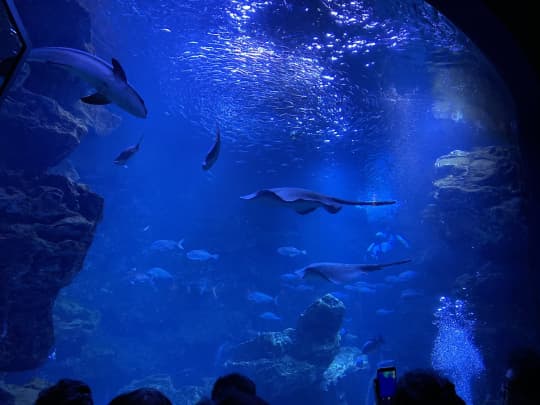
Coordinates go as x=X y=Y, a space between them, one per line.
x=283 y=378
x=47 y=224
x=37 y=132
x=469 y=95
x=294 y=364
x=73 y=324
x=21 y=394
x=6 y=398
x=342 y=365
x=265 y=345
x=317 y=329
x=478 y=201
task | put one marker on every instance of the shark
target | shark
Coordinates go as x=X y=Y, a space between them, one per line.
x=213 y=153
x=342 y=273
x=304 y=201
x=109 y=79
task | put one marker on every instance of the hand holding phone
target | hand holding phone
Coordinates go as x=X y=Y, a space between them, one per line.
x=385 y=385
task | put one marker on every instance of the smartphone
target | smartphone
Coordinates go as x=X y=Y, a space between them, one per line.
x=385 y=384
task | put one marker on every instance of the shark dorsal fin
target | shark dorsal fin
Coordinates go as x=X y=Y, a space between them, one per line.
x=118 y=70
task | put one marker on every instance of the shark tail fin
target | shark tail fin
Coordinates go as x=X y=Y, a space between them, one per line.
x=180 y=244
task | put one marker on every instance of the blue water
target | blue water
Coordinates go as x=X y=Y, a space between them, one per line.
x=353 y=99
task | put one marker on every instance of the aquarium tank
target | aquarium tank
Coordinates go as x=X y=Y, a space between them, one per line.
x=300 y=191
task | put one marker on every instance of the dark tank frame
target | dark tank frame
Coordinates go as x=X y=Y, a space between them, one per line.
x=16 y=25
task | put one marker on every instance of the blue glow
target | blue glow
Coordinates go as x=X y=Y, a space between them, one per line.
x=454 y=353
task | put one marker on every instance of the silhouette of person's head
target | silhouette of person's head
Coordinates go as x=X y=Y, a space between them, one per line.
x=425 y=387
x=66 y=392
x=521 y=386
x=235 y=389
x=141 y=396
x=233 y=381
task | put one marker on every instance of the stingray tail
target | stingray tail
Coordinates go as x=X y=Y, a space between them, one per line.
x=372 y=203
x=380 y=266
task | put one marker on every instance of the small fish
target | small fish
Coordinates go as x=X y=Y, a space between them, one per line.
x=384 y=312
x=362 y=289
x=165 y=245
x=201 y=255
x=261 y=298
x=269 y=316
x=290 y=277
x=372 y=345
x=366 y=290
x=127 y=154
x=157 y=273
x=165 y=30
x=140 y=278
x=213 y=153
x=411 y=293
x=407 y=275
x=52 y=355
x=392 y=279
x=146 y=228
x=290 y=251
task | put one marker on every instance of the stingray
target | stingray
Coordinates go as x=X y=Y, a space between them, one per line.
x=304 y=201
x=342 y=273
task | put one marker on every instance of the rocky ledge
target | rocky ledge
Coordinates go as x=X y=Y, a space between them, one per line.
x=47 y=223
x=478 y=201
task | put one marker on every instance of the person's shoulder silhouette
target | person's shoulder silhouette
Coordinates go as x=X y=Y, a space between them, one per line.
x=235 y=389
x=141 y=396
x=66 y=392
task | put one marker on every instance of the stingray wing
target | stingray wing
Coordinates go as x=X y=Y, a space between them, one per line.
x=337 y=273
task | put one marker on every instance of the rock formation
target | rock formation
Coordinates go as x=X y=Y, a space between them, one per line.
x=299 y=364
x=478 y=201
x=47 y=224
